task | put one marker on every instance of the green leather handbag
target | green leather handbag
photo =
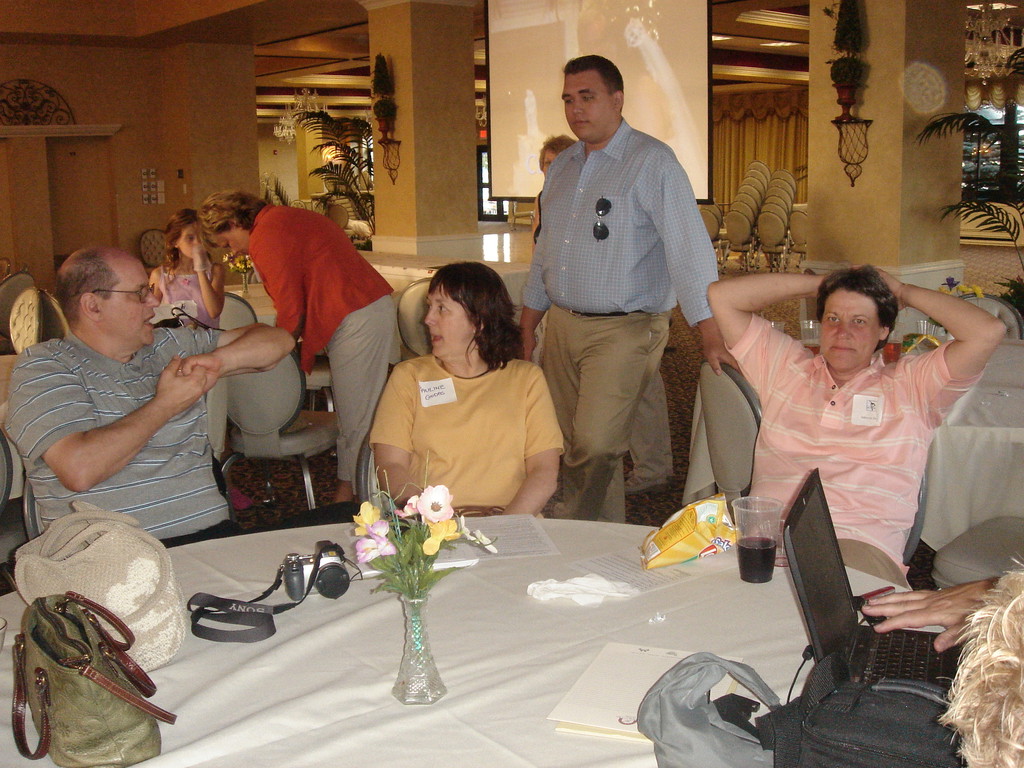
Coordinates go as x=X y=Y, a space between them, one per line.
x=85 y=691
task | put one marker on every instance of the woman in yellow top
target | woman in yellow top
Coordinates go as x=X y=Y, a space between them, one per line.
x=471 y=415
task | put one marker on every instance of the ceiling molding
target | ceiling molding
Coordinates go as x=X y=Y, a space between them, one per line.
x=46 y=131
x=731 y=72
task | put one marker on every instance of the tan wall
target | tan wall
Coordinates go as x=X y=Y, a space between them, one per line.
x=188 y=108
x=278 y=158
x=435 y=192
x=891 y=216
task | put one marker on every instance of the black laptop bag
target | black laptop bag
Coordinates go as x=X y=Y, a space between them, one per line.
x=837 y=723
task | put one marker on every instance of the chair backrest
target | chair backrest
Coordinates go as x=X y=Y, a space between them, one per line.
x=412 y=309
x=785 y=176
x=752 y=190
x=757 y=181
x=1004 y=310
x=237 y=312
x=52 y=323
x=266 y=402
x=738 y=228
x=798 y=228
x=771 y=229
x=760 y=168
x=152 y=247
x=12 y=287
x=366 y=486
x=712 y=223
x=777 y=208
x=715 y=210
x=744 y=207
x=732 y=418
x=26 y=324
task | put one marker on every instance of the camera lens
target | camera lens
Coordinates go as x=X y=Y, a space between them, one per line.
x=332 y=580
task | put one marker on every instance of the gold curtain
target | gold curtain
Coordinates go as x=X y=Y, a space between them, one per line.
x=769 y=126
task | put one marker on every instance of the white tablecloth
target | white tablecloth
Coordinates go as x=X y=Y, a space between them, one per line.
x=975 y=464
x=976 y=461
x=319 y=691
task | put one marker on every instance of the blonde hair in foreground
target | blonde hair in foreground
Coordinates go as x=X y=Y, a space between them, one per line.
x=987 y=697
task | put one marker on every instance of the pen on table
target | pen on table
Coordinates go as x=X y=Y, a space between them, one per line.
x=861 y=600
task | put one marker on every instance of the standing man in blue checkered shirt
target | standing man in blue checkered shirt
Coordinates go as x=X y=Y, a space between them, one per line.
x=621 y=242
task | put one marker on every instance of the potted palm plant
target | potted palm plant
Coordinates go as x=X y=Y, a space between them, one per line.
x=347 y=173
x=847 y=68
x=997 y=208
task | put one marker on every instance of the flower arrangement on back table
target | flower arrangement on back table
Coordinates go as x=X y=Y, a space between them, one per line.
x=238 y=262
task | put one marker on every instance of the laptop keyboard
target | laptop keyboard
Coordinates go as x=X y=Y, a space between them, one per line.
x=910 y=655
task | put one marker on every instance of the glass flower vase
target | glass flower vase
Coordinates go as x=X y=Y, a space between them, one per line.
x=245 y=282
x=418 y=680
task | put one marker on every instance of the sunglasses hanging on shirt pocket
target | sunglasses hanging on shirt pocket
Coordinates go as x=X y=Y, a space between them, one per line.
x=602 y=208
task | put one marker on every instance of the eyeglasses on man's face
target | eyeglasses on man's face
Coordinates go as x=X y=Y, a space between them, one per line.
x=141 y=294
x=602 y=208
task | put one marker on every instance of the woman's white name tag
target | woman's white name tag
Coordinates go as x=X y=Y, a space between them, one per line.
x=437 y=392
x=867 y=410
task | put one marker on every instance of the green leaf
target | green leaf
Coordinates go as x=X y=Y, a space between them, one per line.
x=957 y=123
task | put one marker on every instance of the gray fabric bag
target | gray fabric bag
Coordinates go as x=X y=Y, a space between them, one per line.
x=677 y=714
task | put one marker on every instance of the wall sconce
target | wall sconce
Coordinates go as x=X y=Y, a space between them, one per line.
x=853 y=144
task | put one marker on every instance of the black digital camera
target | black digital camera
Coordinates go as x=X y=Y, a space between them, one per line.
x=326 y=567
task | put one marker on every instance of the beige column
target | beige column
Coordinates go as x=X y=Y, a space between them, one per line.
x=891 y=218
x=430 y=209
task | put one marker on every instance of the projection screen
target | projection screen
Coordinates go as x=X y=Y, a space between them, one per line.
x=660 y=46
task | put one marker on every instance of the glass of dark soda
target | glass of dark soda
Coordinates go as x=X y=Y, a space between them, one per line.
x=757 y=521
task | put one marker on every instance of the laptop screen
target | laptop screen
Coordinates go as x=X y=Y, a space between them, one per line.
x=818 y=573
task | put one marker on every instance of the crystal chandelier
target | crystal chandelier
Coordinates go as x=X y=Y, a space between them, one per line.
x=989 y=42
x=303 y=101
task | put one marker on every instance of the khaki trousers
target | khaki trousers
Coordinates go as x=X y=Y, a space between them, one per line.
x=597 y=368
x=359 y=352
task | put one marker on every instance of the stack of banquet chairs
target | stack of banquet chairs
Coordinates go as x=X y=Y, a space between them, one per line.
x=741 y=220
x=773 y=220
x=712 y=216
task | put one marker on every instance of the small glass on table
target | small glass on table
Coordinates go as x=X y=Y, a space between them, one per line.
x=810 y=335
x=757 y=521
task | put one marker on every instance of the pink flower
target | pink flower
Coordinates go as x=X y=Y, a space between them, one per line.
x=435 y=504
x=409 y=509
x=373 y=546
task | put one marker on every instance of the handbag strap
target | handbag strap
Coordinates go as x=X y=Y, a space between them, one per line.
x=20 y=701
x=114 y=650
x=106 y=615
x=91 y=673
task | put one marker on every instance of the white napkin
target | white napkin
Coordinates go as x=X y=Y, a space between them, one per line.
x=585 y=590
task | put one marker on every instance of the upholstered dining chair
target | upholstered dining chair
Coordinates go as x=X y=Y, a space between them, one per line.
x=732 y=418
x=1004 y=310
x=265 y=410
x=152 y=247
x=986 y=550
x=236 y=313
x=412 y=309
x=11 y=287
x=52 y=323
x=26 y=321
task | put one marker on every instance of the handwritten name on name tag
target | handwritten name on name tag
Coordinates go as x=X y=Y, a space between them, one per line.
x=437 y=392
x=867 y=410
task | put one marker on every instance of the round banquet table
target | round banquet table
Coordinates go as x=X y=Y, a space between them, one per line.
x=318 y=692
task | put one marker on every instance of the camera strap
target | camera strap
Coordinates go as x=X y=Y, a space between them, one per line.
x=257 y=618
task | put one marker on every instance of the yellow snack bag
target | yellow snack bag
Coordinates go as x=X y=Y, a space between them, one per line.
x=697 y=530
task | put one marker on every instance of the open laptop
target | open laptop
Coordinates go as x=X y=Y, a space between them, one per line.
x=827 y=602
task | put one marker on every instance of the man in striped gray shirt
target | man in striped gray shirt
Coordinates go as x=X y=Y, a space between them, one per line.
x=114 y=413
